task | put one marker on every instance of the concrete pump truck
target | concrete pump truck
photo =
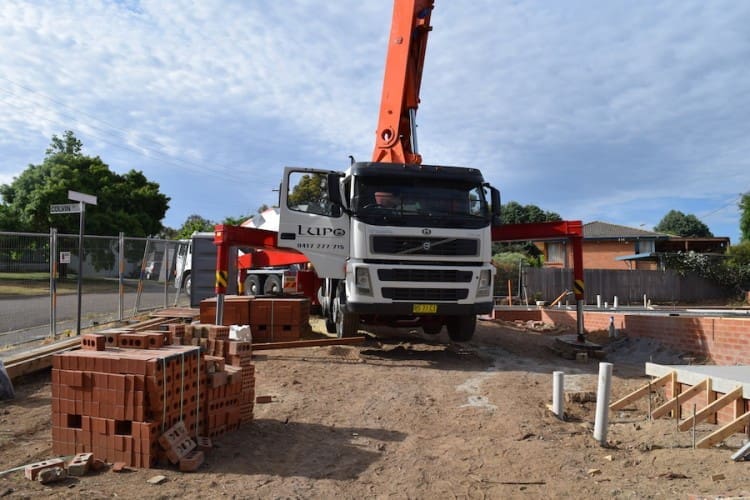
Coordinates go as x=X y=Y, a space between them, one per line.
x=394 y=241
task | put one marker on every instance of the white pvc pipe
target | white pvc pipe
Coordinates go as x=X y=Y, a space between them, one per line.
x=602 y=403
x=614 y=304
x=598 y=301
x=558 y=384
x=645 y=301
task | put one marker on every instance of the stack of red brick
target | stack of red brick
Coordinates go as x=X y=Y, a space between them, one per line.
x=117 y=401
x=270 y=319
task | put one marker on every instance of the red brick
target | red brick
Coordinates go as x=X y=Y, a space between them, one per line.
x=31 y=471
x=93 y=342
x=191 y=461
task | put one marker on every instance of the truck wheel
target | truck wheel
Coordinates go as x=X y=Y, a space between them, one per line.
x=252 y=285
x=272 y=286
x=432 y=328
x=347 y=324
x=461 y=328
x=330 y=325
x=187 y=284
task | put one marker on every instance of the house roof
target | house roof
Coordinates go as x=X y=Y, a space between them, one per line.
x=604 y=231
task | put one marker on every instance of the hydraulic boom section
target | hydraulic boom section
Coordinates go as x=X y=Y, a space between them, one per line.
x=396 y=136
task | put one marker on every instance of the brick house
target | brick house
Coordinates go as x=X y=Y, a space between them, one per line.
x=611 y=246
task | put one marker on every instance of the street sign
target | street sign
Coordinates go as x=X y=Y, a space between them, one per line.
x=86 y=198
x=66 y=208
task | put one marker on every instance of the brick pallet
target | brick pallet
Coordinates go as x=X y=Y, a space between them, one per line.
x=116 y=402
x=270 y=319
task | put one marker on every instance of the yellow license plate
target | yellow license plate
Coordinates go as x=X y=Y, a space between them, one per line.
x=424 y=308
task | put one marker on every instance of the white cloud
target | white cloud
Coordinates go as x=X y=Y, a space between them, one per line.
x=592 y=110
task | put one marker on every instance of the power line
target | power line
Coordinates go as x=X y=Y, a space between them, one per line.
x=733 y=201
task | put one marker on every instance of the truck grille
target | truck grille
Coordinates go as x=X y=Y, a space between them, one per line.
x=425 y=275
x=426 y=294
x=424 y=246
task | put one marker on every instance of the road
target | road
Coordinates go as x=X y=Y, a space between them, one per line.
x=27 y=318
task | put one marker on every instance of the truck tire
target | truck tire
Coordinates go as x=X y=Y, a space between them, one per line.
x=461 y=328
x=432 y=328
x=252 y=285
x=272 y=286
x=187 y=284
x=347 y=324
x=330 y=323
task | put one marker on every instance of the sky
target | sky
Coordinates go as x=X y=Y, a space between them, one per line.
x=616 y=111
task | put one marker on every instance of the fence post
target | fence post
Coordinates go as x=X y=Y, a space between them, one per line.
x=141 y=276
x=53 y=282
x=166 y=265
x=121 y=276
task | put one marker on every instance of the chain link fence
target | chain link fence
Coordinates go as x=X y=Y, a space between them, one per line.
x=120 y=278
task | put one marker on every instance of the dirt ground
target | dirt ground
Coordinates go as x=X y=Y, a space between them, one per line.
x=405 y=417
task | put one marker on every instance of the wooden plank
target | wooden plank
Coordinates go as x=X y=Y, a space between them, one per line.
x=674 y=403
x=724 y=432
x=675 y=389
x=38 y=359
x=39 y=351
x=639 y=393
x=307 y=343
x=711 y=396
x=177 y=312
x=559 y=298
x=712 y=408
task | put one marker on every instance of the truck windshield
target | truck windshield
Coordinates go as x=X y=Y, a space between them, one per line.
x=400 y=201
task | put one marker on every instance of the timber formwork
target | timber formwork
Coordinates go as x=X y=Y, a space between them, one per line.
x=699 y=394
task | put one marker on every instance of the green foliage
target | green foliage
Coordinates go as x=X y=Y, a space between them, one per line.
x=513 y=260
x=515 y=213
x=235 y=221
x=194 y=223
x=738 y=265
x=127 y=203
x=739 y=255
x=732 y=273
x=744 y=206
x=679 y=224
x=309 y=190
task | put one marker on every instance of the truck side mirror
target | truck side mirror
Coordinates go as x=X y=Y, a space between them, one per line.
x=495 y=193
x=334 y=190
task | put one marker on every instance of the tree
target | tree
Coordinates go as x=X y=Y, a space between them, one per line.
x=309 y=189
x=745 y=217
x=515 y=213
x=194 y=223
x=235 y=221
x=687 y=226
x=127 y=203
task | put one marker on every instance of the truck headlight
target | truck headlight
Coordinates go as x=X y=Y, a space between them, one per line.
x=362 y=280
x=485 y=283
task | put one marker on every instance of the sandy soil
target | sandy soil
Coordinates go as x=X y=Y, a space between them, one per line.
x=407 y=417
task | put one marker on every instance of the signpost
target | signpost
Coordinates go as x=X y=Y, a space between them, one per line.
x=68 y=208
x=77 y=208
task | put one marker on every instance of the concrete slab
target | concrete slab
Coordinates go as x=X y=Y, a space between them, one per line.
x=723 y=378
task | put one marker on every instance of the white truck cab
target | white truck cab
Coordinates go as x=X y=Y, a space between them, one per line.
x=404 y=245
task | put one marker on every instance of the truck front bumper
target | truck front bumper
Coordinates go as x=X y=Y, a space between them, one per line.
x=415 y=309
